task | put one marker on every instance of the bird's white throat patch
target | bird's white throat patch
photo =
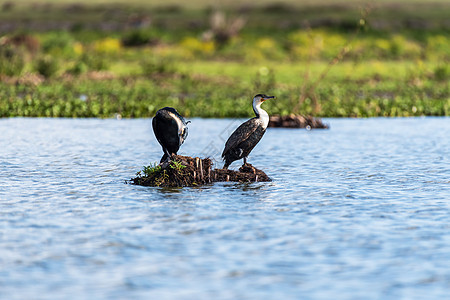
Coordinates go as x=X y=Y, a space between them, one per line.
x=263 y=115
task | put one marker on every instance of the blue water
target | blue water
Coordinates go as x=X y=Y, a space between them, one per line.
x=360 y=211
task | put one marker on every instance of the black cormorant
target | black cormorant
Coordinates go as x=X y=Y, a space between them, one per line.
x=170 y=130
x=247 y=135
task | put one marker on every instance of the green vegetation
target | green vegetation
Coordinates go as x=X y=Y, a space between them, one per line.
x=149 y=170
x=176 y=165
x=328 y=60
x=155 y=173
x=180 y=171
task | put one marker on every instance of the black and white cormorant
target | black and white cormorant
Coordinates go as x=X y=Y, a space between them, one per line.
x=170 y=130
x=248 y=134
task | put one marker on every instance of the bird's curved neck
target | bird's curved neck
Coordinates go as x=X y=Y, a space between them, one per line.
x=261 y=113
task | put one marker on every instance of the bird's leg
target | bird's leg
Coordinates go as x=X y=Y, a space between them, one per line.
x=165 y=164
x=169 y=158
x=165 y=160
x=245 y=160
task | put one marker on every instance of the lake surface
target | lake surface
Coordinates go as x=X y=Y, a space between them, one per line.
x=360 y=211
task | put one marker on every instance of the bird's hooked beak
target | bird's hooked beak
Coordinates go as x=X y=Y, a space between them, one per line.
x=267 y=98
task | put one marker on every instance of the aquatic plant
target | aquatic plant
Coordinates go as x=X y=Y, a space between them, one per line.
x=59 y=43
x=47 y=66
x=151 y=169
x=157 y=65
x=379 y=73
x=162 y=178
x=181 y=171
x=95 y=61
x=12 y=60
x=177 y=165
x=442 y=72
x=137 y=37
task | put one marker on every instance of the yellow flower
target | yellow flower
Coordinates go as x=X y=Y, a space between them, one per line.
x=196 y=46
x=107 y=45
x=78 y=48
x=382 y=44
x=266 y=43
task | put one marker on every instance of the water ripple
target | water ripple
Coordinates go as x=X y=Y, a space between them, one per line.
x=360 y=211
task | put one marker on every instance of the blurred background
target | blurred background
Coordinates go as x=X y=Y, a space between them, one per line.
x=324 y=58
x=357 y=212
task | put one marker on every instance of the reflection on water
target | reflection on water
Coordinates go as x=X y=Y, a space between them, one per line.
x=360 y=211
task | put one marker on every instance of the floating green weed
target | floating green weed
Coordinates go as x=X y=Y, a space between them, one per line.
x=150 y=170
x=163 y=177
x=178 y=166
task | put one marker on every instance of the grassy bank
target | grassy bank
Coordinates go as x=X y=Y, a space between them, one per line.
x=152 y=56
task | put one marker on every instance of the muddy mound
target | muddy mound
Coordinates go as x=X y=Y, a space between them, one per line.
x=296 y=121
x=193 y=171
x=247 y=173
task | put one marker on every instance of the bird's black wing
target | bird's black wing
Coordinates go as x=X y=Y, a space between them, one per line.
x=241 y=134
x=155 y=131
x=182 y=125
